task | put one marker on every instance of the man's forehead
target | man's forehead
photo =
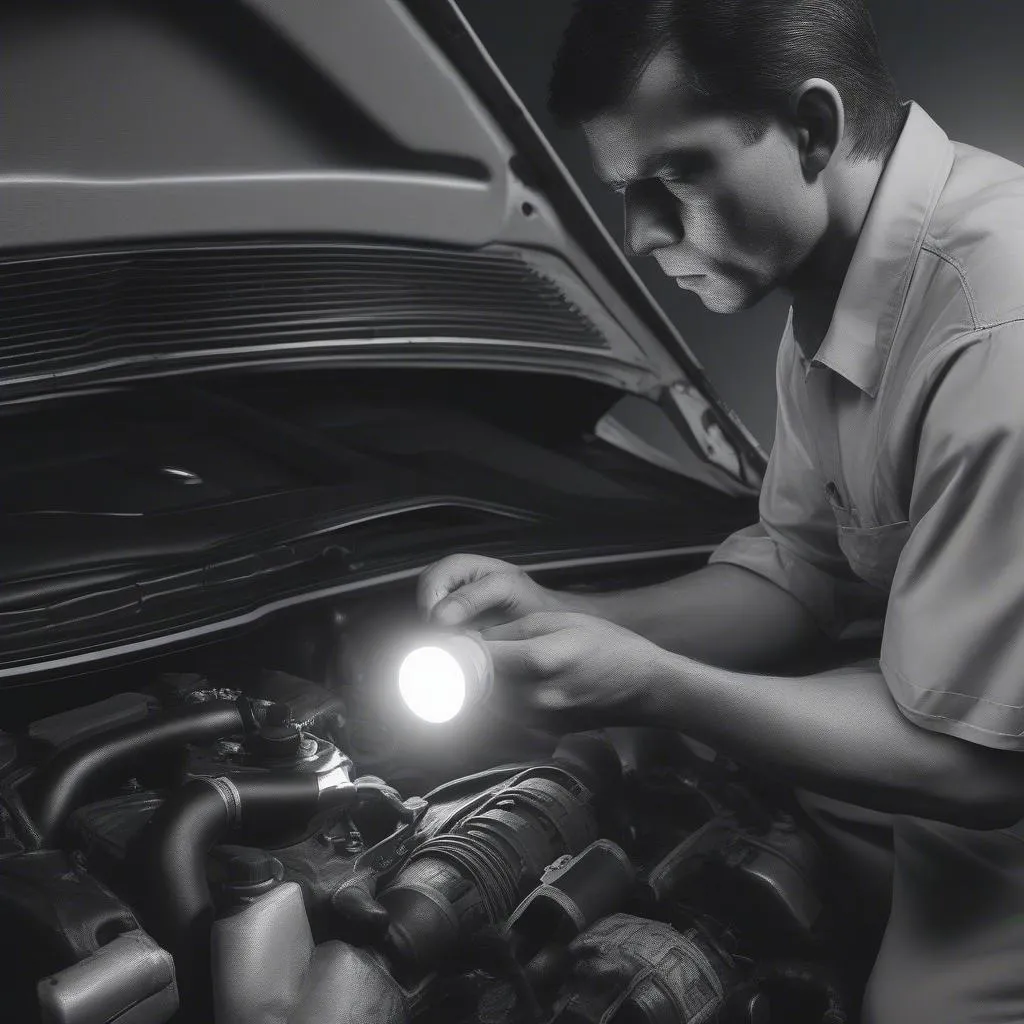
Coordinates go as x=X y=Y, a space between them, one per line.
x=664 y=112
x=663 y=95
x=666 y=74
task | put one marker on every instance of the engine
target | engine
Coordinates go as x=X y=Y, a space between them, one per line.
x=199 y=850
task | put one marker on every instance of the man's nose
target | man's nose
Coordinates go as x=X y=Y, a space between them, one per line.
x=652 y=219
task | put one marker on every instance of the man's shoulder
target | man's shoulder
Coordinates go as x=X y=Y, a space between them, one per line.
x=977 y=229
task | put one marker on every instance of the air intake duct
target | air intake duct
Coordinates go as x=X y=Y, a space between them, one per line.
x=476 y=872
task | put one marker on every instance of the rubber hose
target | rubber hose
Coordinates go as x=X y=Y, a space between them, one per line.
x=172 y=850
x=174 y=900
x=75 y=772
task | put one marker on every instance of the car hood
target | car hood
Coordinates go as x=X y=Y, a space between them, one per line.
x=185 y=186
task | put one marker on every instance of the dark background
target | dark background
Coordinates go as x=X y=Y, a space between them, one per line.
x=962 y=60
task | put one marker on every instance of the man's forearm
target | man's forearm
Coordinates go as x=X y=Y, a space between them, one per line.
x=839 y=733
x=720 y=615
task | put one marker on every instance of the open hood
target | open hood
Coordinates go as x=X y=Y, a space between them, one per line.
x=195 y=185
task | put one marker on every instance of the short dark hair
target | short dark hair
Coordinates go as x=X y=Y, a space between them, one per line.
x=744 y=56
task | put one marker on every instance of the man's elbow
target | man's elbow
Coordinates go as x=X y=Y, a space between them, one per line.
x=980 y=788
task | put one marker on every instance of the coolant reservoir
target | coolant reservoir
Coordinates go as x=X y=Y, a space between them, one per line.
x=266 y=969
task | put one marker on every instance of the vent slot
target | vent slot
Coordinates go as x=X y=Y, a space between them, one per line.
x=71 y=313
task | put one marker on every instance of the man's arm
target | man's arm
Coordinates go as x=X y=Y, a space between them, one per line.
x=841 y=734
x=722 y=615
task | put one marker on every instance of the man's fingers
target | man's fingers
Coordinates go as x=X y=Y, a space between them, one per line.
x=441 y=579
x=526 y=628
x=513 y=630
x=527 y=658
x=512 y=659
x=469 y=601
x=437 y=581
x=525 y=667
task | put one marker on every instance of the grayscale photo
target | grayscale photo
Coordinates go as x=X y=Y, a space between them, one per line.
x=512 y=512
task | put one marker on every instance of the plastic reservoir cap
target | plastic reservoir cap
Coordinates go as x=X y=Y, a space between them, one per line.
x=248 y=867
x=247 y=871
x=439 y=680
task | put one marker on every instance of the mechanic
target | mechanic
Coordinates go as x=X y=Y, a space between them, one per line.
x=761 y=144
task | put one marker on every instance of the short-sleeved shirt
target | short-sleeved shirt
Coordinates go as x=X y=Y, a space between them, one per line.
x=894 y=494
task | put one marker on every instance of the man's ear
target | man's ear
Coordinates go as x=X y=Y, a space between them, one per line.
x=819 y=118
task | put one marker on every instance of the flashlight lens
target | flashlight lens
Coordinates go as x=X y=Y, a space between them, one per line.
x=432 y=684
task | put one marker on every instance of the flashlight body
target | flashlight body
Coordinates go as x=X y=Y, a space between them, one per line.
x=472 y=654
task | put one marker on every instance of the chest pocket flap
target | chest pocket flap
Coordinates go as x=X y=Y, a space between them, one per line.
x=872 y=551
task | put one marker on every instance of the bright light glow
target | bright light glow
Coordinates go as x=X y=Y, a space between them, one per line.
x=432 y=684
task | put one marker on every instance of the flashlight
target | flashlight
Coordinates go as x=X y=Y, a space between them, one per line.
x=444 y=675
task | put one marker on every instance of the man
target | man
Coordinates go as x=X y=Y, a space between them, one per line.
x=760 y=144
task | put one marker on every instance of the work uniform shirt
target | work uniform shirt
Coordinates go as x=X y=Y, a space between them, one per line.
x=895 y=488
x=894 y=499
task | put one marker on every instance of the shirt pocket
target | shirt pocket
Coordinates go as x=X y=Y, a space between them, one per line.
x=872 y=551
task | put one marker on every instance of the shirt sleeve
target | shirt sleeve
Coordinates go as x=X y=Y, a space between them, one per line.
x=794 y=544
x=953 y=643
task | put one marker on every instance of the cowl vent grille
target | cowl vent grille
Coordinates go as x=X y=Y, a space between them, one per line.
x=74 y=313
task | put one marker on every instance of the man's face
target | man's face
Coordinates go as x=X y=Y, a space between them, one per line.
x=729 y=219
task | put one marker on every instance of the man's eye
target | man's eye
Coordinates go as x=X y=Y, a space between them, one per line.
x=685 y=170
x=677 y=177
x=619 y=188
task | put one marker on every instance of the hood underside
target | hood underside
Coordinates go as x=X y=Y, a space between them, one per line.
x=193 y=185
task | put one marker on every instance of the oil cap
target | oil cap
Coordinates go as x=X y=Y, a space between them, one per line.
x=276 y=739
x=247 y=872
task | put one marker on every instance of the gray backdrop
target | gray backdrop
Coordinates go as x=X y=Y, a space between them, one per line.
x=962 y=60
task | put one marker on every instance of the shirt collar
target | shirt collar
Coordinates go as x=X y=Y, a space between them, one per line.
x=875 y=288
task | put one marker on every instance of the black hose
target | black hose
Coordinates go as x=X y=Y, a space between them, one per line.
x=75 y=772
x=171 y=854
x=174 y=900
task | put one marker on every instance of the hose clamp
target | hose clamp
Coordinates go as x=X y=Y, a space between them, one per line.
x=229 y=794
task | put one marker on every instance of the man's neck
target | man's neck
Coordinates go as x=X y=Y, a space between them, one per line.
x=816 y=286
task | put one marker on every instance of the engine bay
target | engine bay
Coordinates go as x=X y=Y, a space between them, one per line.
x=256 y=830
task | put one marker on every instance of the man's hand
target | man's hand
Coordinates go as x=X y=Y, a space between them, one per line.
x=463 y=588
x=579 y=668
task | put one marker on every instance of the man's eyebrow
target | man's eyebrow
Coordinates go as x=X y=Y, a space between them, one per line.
x=664 y=159
x=656 y=161
x=671 y=158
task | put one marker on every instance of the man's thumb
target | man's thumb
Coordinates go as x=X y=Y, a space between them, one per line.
x=450 y=612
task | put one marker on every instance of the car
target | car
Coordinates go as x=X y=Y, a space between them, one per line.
x=297 y=300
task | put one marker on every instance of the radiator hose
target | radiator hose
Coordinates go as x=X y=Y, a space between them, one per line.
x=77 y=771
x=170 y=854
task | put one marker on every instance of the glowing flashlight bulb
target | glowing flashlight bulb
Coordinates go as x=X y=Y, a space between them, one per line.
x=448 y=674
x=432 y=684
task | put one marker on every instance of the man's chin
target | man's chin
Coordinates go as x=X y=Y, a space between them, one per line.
x=721 y=306
x=724 y=301
x=725 y=298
